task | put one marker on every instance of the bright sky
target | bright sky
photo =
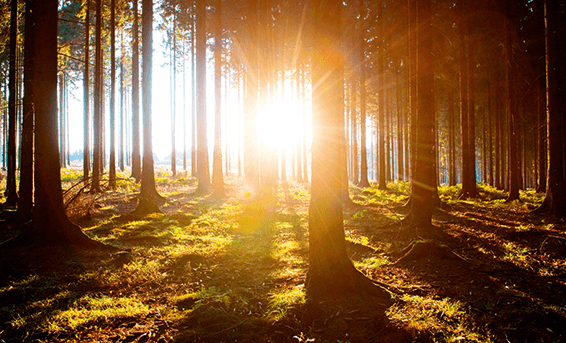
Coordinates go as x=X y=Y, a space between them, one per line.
x=278 y=124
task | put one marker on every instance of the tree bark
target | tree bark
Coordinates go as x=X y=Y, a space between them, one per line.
x=136 y=158
x=424 y=181
x=25 y=201
x=381 y=100
x=112 y=168
x=555 y=199
x=98 y=103
x=147 y=199
x=330 y=271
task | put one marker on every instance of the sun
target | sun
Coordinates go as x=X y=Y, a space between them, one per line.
x=278 y=125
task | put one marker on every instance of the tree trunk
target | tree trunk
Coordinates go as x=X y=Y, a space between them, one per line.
x=424 y=182
x=555 y=199
x=330 y=271
x=217 y=178
x=86 y=95
x=50 y=223
x=512 y=118
x=98 y=103
x=364 y=182
x=452 y=180
x=136 y=158
x=147 y=199
x=122 y=95
x=381 y=100
x=112 y=168
x=174 y=96
x=11 y=191
x=542 y=148
x=25 y=201
x=203 y=169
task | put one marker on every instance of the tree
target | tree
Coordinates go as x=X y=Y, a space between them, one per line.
x=217 y=179
x=112 y=171
x=98 y=105
x=330 y=271
x=363 y=151
x=50 y=223
x=555 y=199
x=11 y=192
x=25 y=201
x=86 y=95
x=423 y=183
x=512 y=116
x=466 y=110
x=203 y=169
x=136 y=159
x=147 y=199
x=381 y=101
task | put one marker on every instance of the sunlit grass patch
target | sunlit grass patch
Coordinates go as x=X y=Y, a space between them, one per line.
x=92 y=309
x=449 y=194
x=516 y=254
x=372 y=262
x=224 y=300
x=443 y=318
x=280 y=302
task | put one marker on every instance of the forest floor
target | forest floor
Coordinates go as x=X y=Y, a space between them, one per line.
x=232 y=269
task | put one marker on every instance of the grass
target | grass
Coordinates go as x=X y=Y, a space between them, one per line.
x=235 y=269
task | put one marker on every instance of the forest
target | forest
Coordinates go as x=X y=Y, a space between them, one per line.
x=336 y=171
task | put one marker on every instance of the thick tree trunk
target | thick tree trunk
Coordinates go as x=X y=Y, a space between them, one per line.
x=452 y=180
x=363 y=138
x=25 y=201
x=330 y=271
x=251 y=153
x=50 y=223
x=217 y=178
x=555 y=200
x=148 y=194
x=424 y=182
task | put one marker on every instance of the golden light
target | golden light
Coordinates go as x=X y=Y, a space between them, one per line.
x=278 y=125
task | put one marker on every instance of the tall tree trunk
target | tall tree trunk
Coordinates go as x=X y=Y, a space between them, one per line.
x=400 y=162
x=451 y=139
x=112 y=168
x=424 y=181
x=364 y=182
x=203 y=169
x=11 y=191
x=25 y=201
x=555 y=199
x=98 y=102
x=490 y=135
x=217 y=178
x=50 y=223
x=147 y=199
x=122 y=95
x=381 y=99
x=194 y=96
x=174 y=98
x=86 y=95
x=512 y=117
x=330 y=271
x=542 y=148
x=136 y=158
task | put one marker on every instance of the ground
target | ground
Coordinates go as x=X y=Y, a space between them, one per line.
x=232 y=269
